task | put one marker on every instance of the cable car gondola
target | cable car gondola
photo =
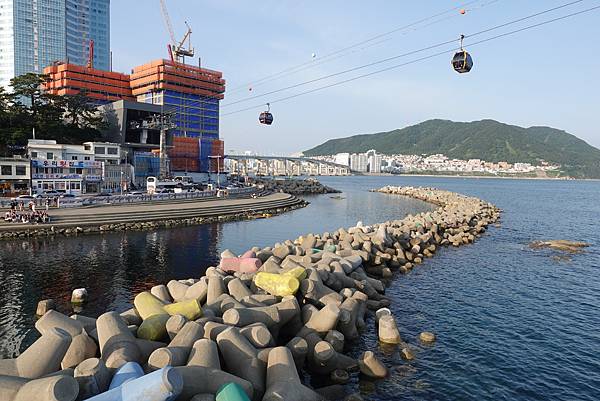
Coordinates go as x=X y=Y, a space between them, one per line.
x=462 y=61
x=266 y=117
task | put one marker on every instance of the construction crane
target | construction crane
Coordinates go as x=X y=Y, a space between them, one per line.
x=178 y=51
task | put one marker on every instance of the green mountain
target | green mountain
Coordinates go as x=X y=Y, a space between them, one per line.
x=488 y=140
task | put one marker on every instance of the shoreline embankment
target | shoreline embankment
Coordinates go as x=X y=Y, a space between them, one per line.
x=148 y=216
x=251 y=324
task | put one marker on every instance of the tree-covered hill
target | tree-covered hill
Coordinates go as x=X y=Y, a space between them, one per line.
x=488 y=140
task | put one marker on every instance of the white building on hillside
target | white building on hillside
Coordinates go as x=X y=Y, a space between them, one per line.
x=342 y=158
x=358 y=162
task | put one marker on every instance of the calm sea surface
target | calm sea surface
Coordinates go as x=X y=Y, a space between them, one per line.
x=512 y=323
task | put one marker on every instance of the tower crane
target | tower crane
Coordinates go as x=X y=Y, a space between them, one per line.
x=178 y=50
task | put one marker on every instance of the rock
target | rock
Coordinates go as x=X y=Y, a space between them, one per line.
x=560 y=245
x=427 y=337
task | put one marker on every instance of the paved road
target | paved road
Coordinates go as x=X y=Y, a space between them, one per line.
x=111 y=214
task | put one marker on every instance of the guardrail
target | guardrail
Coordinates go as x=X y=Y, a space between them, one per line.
x=124 y=199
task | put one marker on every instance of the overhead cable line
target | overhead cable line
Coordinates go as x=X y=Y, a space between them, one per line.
x=529 y=27
x=322 y=59
x=398 y=56
x=385 y=60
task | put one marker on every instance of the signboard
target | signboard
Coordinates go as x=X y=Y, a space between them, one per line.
x=88 y=178
x=37 y=176
x=65 y=163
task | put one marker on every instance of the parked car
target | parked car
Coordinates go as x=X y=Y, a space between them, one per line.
x=134 y=193
x=24 y=197
x=68 y=196
x=48 y=194
x=103 y=194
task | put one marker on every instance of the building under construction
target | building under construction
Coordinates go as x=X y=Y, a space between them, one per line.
x=186 y=95
x=100 y=86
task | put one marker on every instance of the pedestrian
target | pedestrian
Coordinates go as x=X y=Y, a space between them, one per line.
x=21 y=206
x=47 y=204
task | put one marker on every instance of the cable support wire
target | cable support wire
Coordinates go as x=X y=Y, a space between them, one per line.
x=329 y=57
x=502 y=35
x=400 y=55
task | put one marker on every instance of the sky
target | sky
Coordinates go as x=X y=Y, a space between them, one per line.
x=546 y=76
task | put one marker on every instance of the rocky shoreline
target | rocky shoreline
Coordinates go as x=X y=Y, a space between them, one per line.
x=309 y=186
x=245 y=329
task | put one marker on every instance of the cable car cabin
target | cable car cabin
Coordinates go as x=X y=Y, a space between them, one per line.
x=462 y=62
x=266 y=118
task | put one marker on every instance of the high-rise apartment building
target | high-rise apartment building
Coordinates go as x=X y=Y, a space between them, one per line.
x=36 y=33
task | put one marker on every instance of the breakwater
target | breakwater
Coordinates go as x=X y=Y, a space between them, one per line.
x=333 y=277
x=309 y=186
x=150 y=216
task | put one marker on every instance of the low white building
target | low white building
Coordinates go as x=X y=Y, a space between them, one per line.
x=14 y=176
x=65 y=168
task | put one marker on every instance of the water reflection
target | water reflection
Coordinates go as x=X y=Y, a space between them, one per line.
x=115 y=266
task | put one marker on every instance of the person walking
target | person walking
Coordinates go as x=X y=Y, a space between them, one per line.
x=47 y=204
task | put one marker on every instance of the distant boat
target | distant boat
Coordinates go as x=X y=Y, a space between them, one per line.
x=337 y=197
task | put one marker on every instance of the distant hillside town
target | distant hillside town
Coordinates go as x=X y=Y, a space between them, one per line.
x=373 y=162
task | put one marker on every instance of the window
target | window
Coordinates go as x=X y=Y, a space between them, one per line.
x=87 y=147
x=86 y=158
x=73 y=157
x=111 y=151
x=20 y=170
x=6 y=170
x=33 y=155
x=50 y=156
x=99 y=150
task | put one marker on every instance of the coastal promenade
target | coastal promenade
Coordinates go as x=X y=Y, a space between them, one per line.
x=152 y=214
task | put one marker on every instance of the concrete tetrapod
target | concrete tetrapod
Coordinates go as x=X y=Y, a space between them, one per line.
x=369 y=365
x=177 y=290
x=322 y=321
x=283 y=382
x=203 y=380
x=41 y=358
x=241 y=359
x=269 y=315
x=117 y=344
x=93 y=378
x=161 y=292
x=258 y=334
x=82 y=346
x=231 y=392
x=162 y=385
x=388 y=331
x=126 y=373
x=178 y=350
x=53 y=388
x=198 y=290
x=204 y=353
x=174 y=324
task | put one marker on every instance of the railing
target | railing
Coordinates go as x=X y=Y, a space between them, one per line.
x=125 y=199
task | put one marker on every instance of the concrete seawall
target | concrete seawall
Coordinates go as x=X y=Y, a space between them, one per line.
x=151 y=215
x=252 y=323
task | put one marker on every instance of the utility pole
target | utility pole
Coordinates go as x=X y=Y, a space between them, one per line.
x=218 y=169
x=164 y=125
